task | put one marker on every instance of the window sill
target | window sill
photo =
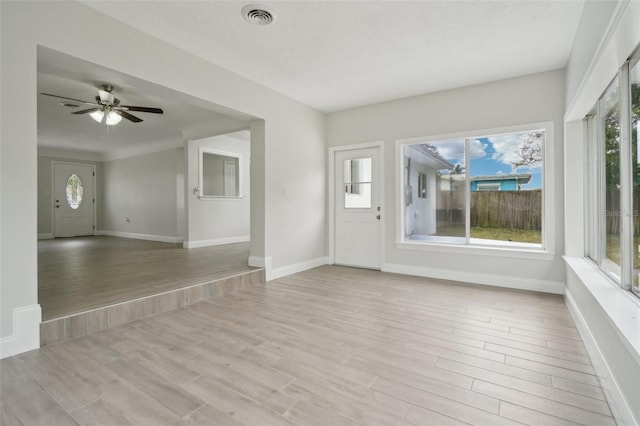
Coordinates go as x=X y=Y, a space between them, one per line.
x=497 y=251
x=621 y=306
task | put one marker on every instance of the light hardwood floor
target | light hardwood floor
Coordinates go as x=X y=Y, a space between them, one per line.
x=79 y=274
x=330 y=346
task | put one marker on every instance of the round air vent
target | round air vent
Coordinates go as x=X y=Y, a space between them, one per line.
x=258 y=14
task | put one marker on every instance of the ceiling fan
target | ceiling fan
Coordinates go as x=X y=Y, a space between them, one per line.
x=107 y=107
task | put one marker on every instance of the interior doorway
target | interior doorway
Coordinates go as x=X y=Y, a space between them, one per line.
x=138 y=223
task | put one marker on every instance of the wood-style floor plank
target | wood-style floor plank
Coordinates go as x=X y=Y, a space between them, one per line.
x=80 y=274
x=330 y=346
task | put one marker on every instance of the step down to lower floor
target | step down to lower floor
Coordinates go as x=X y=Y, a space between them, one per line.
x=89 y=322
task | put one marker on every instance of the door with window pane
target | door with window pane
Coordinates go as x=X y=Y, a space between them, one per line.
x=73 y=202
x=357 y=208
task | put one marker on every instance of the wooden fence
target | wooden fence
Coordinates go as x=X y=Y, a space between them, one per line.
x=612 y=212
x=495 y=209
x=521 y=209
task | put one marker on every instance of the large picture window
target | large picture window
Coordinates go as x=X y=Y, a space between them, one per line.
x=481 y=190
x=613 y=179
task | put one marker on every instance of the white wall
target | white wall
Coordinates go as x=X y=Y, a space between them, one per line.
x=421 y=213
x=289 y=153
x=139 y=196
x=596 y=18
x=530 y=99
x=608 y=317
x=218 y=221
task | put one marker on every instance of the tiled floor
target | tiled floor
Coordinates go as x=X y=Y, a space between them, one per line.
x=80 y=274
x=330 y=346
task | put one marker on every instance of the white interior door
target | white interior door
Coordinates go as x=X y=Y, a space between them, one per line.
x=73 y=199
x=357 y=208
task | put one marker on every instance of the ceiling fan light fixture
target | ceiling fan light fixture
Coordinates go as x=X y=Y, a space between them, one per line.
x=97 y=115
x=113 y=118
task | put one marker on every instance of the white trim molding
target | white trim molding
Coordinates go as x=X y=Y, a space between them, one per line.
x=26 y=331
x=608 y=319
x=147 y=237
x=48 y=236
x=260 y=262
x=216 y=242
x=612 y=391
x=477 y=278
x=283 y=271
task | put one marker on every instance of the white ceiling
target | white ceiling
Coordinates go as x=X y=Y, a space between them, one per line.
x=330 y=55
x=334 y=55
x=63 y=75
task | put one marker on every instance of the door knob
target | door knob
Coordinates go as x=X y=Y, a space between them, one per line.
x=378 y=217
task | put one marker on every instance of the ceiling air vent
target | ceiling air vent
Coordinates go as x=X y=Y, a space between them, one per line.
x=257 y=14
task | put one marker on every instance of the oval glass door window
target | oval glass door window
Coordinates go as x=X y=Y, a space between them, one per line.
x=74 y=191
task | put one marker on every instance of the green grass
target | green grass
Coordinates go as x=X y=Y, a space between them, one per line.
x=505 y=234
x=498 y=234
x=613 y=250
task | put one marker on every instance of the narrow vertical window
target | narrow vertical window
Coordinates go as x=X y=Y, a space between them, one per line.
x=74 y=191
x=593 y=187
x=634 y=75
x=612 y=190
x=357 y=183
x=610 y=116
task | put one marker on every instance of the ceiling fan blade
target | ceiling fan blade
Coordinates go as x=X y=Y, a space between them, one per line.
x=86 y=111
x=69 y=99
x=128 y=116
x=141 y=109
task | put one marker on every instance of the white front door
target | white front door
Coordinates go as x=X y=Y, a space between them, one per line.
x=357 y=208
x=73 y=202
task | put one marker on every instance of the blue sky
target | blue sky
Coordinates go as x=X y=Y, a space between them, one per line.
x=488 y=165
x=490 y=156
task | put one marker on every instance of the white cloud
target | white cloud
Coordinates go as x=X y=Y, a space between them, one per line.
x=477 y=149
x=506 y=147
x=453 y=150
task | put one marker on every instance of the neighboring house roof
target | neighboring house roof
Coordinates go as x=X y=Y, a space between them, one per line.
x=440 y=161
x=520 y=177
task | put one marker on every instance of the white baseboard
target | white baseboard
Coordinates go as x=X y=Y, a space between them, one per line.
x=48 y=236
x=148 y=237
x=260 y=262
x=615 y=398
x=26 y=332
x=283 y=271
x=476 y=278
x=216 y=242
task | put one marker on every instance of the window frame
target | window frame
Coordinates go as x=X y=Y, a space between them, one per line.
x=349 y=185
x=202 y=150
x=595 y=211
x=545 y=251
